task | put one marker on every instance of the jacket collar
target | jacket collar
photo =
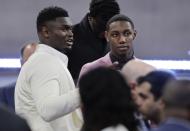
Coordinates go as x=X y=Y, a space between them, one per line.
x=50 y=50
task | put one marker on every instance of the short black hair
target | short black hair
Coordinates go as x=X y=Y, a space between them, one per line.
x=119 y=17
x=157 y=79
x=106 y=100
x=104 y=8
x=48 y=14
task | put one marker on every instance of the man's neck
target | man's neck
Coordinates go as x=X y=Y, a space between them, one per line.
x=121 y=59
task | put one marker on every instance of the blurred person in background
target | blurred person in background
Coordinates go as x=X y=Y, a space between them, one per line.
x=7 y=92
x=149 y=92
x=176 y=99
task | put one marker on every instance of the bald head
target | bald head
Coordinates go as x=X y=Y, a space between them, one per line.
x=136 y=68
x=177 y=94
x=26 y=51
x=176 y=98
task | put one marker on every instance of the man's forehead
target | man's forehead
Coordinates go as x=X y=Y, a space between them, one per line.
x=64 y=20
x=59 y=21
x=120 y=22
x=124 y=24
x=146 y=86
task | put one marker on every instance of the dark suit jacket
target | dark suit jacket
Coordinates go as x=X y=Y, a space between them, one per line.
x=11 y=122
x=173 y=124
x=7 y=96
x=87 y=47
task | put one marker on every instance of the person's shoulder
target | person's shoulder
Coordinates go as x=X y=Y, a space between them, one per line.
x=88 y=67
x=42 y=57
x=78 y=26
x=92 y=65
x=39 y=62
x=98 y=62
x=81 y=29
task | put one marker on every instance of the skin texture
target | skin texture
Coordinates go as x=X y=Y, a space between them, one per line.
x=147 y=104
x=58 y=34
x=120 y=36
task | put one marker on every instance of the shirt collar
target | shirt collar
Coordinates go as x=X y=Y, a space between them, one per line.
x=52 y=51
x=122 y=60
x=118 y=127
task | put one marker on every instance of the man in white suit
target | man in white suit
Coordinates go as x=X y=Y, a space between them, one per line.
x=45 y=93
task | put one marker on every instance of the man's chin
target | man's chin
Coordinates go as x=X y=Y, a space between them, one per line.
x=67 y=51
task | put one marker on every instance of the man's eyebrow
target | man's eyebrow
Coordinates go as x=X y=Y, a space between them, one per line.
x=142 y=95
x=65 y=26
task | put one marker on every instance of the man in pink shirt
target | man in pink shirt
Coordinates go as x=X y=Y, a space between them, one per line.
x=120 y=34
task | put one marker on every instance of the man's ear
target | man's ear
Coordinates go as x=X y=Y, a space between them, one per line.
x=90 y=18
x=91 y=21
x=45 y=32
x=106 y=36
x=134 y=34
x=161 y=103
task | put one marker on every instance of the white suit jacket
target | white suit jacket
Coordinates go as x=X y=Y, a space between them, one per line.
x=45 y=93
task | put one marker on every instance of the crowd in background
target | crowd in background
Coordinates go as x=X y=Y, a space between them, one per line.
x=85 y=77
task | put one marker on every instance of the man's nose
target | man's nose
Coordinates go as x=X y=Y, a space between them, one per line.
x=70 y=32
x=138 y=101
x=122 y=39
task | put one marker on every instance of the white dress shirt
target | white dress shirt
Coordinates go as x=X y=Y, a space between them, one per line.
x=45 y=93
x=119 y=127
